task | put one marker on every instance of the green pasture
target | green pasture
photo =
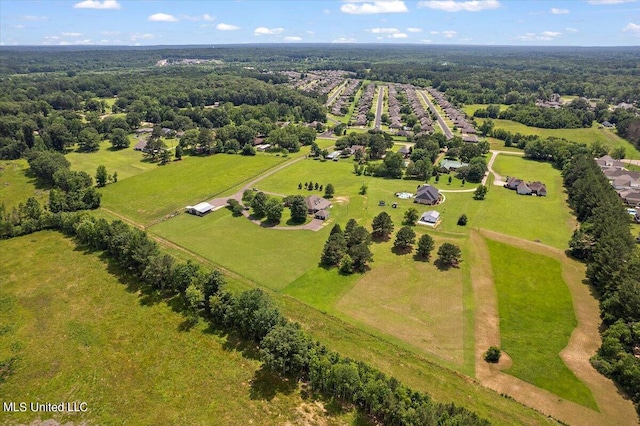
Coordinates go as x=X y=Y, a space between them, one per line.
x=271 y=257
x=16 y=185
x=536 y=320
x=126 y=162
x=546 y=219
x=80 y=333
x=160 y=192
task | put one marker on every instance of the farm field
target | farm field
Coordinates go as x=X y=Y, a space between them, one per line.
x=16 y=185
x=536 y=320
x=82 y=334
x=152 y=195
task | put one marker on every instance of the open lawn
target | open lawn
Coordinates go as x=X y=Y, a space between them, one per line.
x=16 y=185
x=126 y=162
x=271 y=257
x=536 y=320
x=160 y=192
x=79 y=333
x=547 y=219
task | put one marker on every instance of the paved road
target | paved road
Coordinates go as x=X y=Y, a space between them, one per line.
x=447 y=132
x=379 y=108
x=634 y=162
x=335 y=94
x=498 y=180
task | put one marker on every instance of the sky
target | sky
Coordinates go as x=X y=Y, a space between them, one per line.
x=164 y=22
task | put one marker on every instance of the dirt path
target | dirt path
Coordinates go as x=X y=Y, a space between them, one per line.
x=583 y=343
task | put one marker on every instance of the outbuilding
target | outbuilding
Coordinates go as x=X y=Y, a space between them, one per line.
x=200 y=209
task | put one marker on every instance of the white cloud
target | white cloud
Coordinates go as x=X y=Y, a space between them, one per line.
x=434 y=32
x=267 y=31
x=34 y=18
x=344 y=40
x=544 y=36
x=367 y=8
x=326 y=11
x=162 y=17
x=426 y=41
x=557 y=11
x=293 y=38
x=72 y=34
x=632 y=28
x=399 y=35
x=207 y=17
x=110 y=33
x=449 y=34
x=136 y=37
x=414 y=30
x=605 y=2
x=571 y=30
x=384 y=30
x=455 y=6
x=226 y=27
x=97 y=4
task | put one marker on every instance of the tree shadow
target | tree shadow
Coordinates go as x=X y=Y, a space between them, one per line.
x=442 y=266
x=36 y=181
x=246 y=347
x=419 y=258
x=380 y=238
x=401 y=251
x=291 y=222
x=265 y=385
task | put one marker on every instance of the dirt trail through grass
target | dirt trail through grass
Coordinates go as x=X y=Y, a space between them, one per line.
x=584 y=341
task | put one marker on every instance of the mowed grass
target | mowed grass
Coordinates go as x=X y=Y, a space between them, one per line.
x=16 y=185
x=157 y=193
x=126 y=162
x=536 y=320
x=547 y=219
x=80 y=333
x=270 y=257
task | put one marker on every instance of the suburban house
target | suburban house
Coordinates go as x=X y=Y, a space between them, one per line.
x=316 y=203
x=470 y=138
x=452 y=164
x=141 y=146
x=626 y=183
x=524 y=188
x=321 y=214
x=405 y=151
x=430 y=218
x=200 y=209
x=427 y=194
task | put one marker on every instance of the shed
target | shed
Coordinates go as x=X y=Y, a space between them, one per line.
x=430 y=218
x=200 y=209
x=322 y=215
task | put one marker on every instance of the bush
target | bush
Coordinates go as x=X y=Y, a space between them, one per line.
x=462 y=220
x=492 y=355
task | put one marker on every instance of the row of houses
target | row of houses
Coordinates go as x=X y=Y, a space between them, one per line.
x=625 y=182
x=394 y=108
x=343 y=99
x=458 y=117
x=424 y=118
x=526 y=188
x=364 y=105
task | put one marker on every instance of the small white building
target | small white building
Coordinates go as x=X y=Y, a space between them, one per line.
x=334 y=155
x=430 y=218
x=200 y=209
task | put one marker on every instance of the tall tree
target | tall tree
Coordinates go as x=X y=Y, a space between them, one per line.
x=382 y=225
x=405 y=238
x=119 y=138
x=425 y=246
x=101 y=176
x=298 y=209
x=411 y=216
x=259 y=205
x=273 y=209
x=449 y=254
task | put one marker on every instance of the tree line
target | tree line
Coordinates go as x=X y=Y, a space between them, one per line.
x=285 y=349
x=604 y=242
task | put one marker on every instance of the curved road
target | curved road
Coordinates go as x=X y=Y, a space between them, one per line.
x=443 y=125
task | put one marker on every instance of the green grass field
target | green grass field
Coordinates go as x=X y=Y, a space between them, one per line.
x=126 y=162
x=607 y=137
x=536 y=320
x=16 y=185
x=528 y=217
x=157 y=193
x=80 y=333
